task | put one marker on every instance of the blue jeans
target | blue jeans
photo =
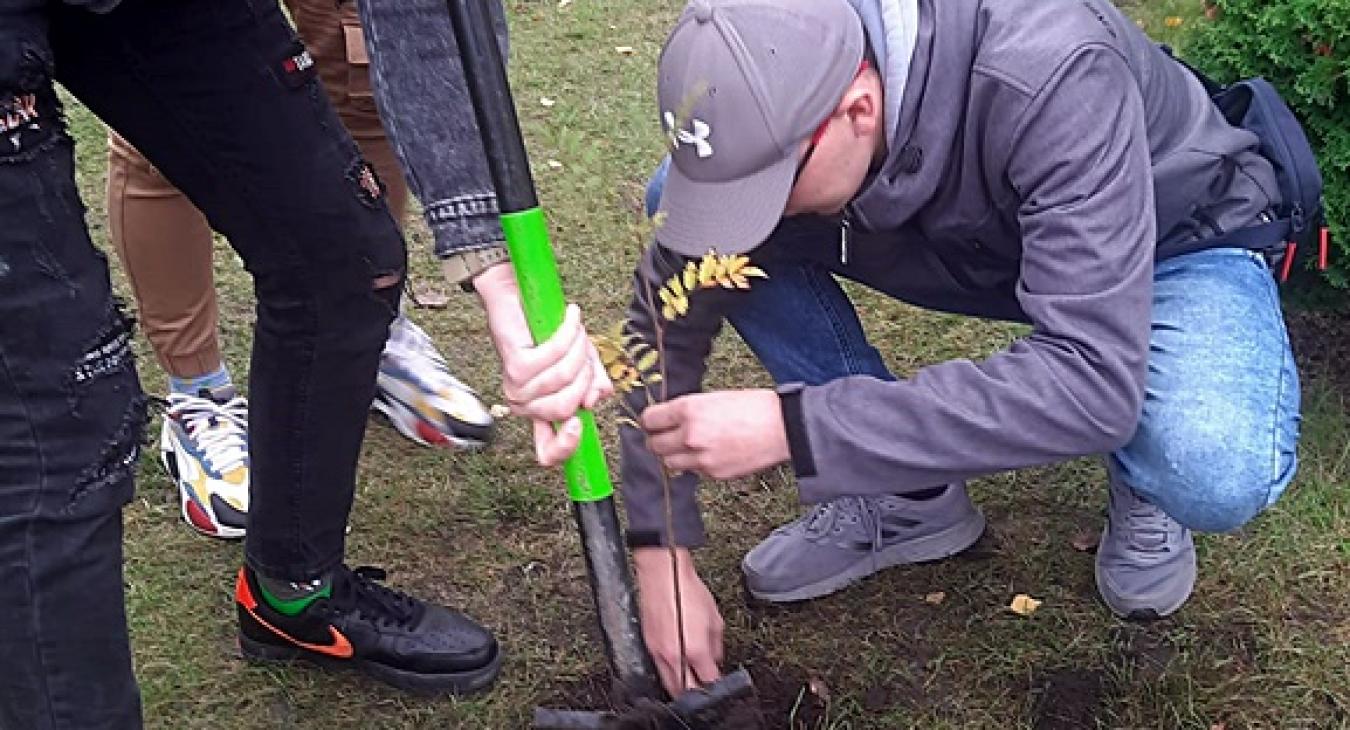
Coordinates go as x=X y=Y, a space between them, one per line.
x=1216 y=443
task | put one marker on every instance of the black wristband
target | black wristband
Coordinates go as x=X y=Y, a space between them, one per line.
x=643 y=539
x=799 y=445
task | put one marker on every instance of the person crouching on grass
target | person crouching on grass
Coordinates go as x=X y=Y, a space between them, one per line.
x=1021 y=161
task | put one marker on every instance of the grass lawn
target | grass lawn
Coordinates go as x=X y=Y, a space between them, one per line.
x=1263 y=644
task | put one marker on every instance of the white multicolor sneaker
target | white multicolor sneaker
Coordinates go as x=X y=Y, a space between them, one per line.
x=421 y=398
x=204 y=447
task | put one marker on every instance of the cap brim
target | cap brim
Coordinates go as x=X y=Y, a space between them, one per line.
x=726 y=217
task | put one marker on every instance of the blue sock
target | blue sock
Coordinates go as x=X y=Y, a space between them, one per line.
x=218 y=378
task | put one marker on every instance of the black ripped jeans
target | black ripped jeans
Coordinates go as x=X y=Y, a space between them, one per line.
x=220 y=96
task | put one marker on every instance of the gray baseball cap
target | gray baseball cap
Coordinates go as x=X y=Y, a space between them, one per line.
x=742 y=83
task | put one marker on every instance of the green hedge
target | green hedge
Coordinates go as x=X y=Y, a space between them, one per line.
x=1303 y=48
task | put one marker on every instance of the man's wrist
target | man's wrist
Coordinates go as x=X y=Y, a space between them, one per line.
x=647 y=559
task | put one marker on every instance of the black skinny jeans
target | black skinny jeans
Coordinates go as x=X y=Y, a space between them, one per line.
x=219 y=95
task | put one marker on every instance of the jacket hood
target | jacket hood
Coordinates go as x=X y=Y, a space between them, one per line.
x=892 y=28
x=920 y=143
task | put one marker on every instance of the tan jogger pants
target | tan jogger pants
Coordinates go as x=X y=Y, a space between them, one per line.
x=164 y=242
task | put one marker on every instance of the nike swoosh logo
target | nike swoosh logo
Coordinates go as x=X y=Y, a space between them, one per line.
x=340 y=648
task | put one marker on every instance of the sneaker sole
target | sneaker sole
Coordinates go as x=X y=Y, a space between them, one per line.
x=411 y=432
x=1135 y=608
x=940 y=545
x=427 y=685
x=1142 y=611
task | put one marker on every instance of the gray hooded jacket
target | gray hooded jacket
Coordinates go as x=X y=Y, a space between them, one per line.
x=1040 y=150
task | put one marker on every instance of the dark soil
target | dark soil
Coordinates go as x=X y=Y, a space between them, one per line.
x=1321 y=341
x=1068 y=699
x=780 y=692
x=1145 y=650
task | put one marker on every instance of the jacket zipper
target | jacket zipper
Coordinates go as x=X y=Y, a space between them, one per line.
x=844 y=226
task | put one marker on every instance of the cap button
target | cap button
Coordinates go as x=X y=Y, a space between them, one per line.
x=703 y=11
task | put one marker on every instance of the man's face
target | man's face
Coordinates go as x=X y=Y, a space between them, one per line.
x=835 y=161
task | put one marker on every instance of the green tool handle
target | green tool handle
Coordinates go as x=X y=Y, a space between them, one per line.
x=542 y=296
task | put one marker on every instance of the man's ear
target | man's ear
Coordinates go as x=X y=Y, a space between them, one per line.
x=862 y=103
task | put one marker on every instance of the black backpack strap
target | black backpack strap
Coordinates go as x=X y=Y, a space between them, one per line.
x=1212 y=87
x=1264 y=237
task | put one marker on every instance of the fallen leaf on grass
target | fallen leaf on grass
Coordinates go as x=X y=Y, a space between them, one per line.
x=428 y=297
x=935 y=598
x=499 y=411
x=1024 y=605
x=1173 y=21
x=1085 y=541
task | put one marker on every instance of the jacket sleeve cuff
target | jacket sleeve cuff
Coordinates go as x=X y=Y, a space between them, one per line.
x=686 y=536
x=648 y=538
x=646 y=515
x=794 y=423
x=464 y=223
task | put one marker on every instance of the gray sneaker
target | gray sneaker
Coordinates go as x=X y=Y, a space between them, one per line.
x=1145 y=561
x=841 y=542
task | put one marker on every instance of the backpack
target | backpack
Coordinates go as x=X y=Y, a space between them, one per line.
x=1298 y=227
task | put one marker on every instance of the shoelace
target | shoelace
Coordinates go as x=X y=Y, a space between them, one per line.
x=1146 y=520
x=220 y=430
x=359 y=589
x=823 y=520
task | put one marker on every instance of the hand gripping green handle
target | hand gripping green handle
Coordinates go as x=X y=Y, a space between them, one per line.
x=541 y=293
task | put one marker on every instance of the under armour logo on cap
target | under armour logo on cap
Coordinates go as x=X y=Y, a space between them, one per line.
x=696 y=135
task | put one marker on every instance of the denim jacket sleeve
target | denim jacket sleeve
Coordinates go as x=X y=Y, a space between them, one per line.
x=425 y=106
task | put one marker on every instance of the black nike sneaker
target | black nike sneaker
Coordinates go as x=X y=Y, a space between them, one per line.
x=362 y=625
